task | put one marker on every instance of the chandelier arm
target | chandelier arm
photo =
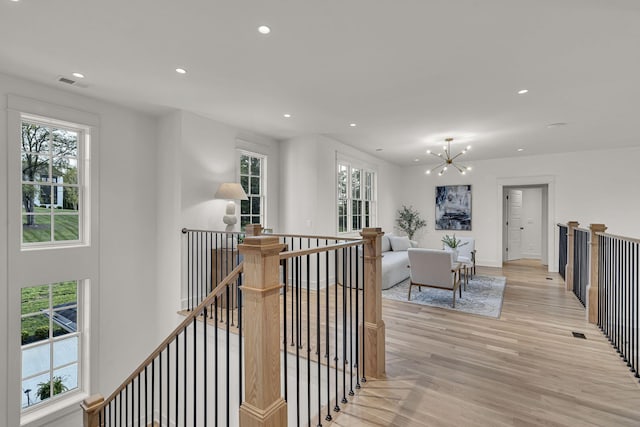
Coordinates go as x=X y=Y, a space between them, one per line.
x=436 y=167
x=457 y=155
x=458 y=167
x=436 y=155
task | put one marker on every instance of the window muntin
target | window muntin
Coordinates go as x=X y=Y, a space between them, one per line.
x=50 y=342
x=52 y=180
x=252 y=179
x=356 y=198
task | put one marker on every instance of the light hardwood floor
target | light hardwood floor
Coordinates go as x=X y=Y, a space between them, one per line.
x=446 y=368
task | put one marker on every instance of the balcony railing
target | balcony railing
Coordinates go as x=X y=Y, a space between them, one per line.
x=271 y=321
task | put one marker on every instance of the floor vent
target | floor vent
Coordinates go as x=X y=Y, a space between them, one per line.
x=579 y=335
x=549 y=278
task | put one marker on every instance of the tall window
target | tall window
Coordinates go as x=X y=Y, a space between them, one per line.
x=52 y=179
x=51 y=341
x=253 y=180
x=356 y=198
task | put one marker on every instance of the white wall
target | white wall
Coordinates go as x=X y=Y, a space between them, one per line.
x=121 y=263
x=583 y=188
x=309 y=185
x=195 y=155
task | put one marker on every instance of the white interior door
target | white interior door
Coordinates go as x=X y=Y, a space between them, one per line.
x=514 y=225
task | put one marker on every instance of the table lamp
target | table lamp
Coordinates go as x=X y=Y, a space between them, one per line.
x=230 y=191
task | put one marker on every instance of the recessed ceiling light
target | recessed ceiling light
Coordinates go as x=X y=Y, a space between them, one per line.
x=78 y=75
x=523 y=91
x=520 y=149
x=353 y=125
x=263 y=29
x=287 y=115
x=181 y=71
x=416 y=160
x=379 y=149
x=555 y=125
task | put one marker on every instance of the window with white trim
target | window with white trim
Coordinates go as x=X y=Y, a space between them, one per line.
x=51 y=156
x=357 y=196
x=51 y=342
x=253 y=169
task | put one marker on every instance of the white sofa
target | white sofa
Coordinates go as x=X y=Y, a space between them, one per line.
x=395 y=259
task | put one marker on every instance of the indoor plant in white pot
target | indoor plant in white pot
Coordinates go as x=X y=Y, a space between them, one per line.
x=452 y=244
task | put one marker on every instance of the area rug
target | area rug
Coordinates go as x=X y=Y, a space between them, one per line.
x=483 y=296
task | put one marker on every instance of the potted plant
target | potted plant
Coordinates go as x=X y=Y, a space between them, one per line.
x=452 y=244
x=44 y=389
x=409 y=221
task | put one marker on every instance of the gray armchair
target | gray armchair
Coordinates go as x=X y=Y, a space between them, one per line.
x=433 y=268
x=467 y=253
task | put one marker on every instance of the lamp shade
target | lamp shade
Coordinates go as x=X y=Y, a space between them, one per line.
x=231 y=191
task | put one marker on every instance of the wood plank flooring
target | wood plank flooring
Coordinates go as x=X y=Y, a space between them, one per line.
x=446 y=368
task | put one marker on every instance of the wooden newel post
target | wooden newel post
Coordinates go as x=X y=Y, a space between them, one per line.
x=373 y=330
x=592 y=294
x=568 y=272
x=263 y=405
x=252 y=230
x=91 y=406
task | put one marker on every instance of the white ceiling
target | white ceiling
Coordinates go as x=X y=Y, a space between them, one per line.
x=408 y=72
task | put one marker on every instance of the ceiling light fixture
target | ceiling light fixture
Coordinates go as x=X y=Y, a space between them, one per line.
x=523 y=91
x=263 y=29
x=520 y=149
x=287 y=115
x=181 y=71
x=78 y=75
x=448 y=160
x=353 y=125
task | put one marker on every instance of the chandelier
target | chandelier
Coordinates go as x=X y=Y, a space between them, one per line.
x=447 y=160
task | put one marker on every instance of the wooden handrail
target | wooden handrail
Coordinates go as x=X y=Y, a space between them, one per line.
x=189 y=230
x=302 y=252
x=177 y=331
x=297 y=236
x=615 y=236
x=304 y=236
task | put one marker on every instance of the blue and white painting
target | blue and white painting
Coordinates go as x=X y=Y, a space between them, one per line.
x=453 y=207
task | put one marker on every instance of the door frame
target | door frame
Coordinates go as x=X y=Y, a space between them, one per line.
x=552 y=232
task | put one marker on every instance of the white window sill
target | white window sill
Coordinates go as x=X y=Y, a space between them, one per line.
x=53 y=410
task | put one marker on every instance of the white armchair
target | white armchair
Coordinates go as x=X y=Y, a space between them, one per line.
x=433 y=268
x=467 y=253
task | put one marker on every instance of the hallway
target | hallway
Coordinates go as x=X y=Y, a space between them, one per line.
x=446 y=368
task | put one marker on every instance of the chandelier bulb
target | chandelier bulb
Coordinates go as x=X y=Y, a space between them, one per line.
x=468 y=147
x=428 y=172
x=444 y=169
x=468 y=168
x=428 y=151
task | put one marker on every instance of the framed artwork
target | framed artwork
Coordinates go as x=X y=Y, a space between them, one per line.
x=453 y=207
